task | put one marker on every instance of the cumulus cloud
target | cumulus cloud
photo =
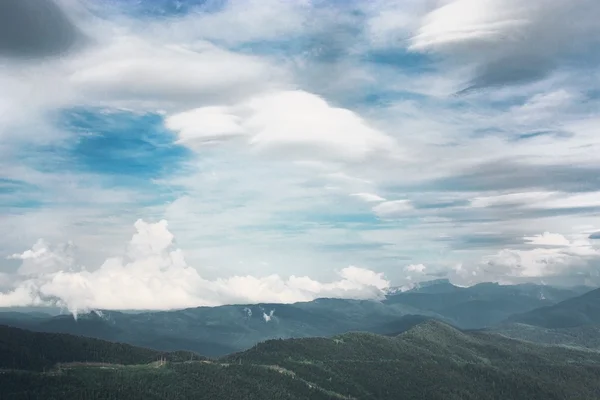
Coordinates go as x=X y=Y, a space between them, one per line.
x=293 y=123
x=557 y=255
x=548 y=239
x=419 y=268
x=154 y=275
x=42 y=258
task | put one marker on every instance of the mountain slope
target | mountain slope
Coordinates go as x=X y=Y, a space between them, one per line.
x=434 y=361
x=430 y=361
x=481 y=305
x=22 y=349
x=574 y=312
x=215 y=331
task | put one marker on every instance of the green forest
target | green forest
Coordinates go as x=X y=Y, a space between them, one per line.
x=430 y=361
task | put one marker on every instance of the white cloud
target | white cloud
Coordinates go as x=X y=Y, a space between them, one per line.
x=576 y=200
x=510 y=199
x=548 y=239
x=545 y=105
x=153 y=275
x=508 y=41
x=368 y=197
x=539 y=200
x=393 y=208
x=133 y=68
x=472 y=22
x=205 y=124
x=288 y=123
x=559 y=256
x=390 y=23
x=419 y=268
x=41 y=258
x=254 y=20
x=138 y=71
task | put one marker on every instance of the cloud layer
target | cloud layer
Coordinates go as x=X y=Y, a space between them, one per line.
x=153 y=275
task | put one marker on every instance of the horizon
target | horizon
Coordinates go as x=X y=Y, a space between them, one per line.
x=53 y=310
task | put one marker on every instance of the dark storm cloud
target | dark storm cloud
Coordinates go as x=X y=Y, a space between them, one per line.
x=35 y=28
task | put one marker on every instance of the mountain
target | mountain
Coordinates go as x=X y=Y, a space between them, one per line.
x=400 y=325
x=481 y=305
x=429 y=361
x=574 y=322
x=435 y=286
x=22 y=349
x=578 y=311
x=216 y=331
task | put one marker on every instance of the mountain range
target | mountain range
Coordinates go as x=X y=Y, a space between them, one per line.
x=216 y=331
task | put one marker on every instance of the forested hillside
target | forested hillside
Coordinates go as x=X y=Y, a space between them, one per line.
x=587 y=336
x=24 y=350
x=578 y=311
x=430 y=361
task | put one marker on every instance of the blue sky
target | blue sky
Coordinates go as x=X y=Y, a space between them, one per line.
x=285 y=150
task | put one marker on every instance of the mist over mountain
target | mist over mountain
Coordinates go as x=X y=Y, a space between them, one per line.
x=216 y=331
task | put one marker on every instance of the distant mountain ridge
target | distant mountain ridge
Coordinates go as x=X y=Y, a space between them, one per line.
x=216 y=331
x=574 y=322
x=574 y=312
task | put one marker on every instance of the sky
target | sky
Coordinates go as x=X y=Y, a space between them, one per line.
x=168 y=154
